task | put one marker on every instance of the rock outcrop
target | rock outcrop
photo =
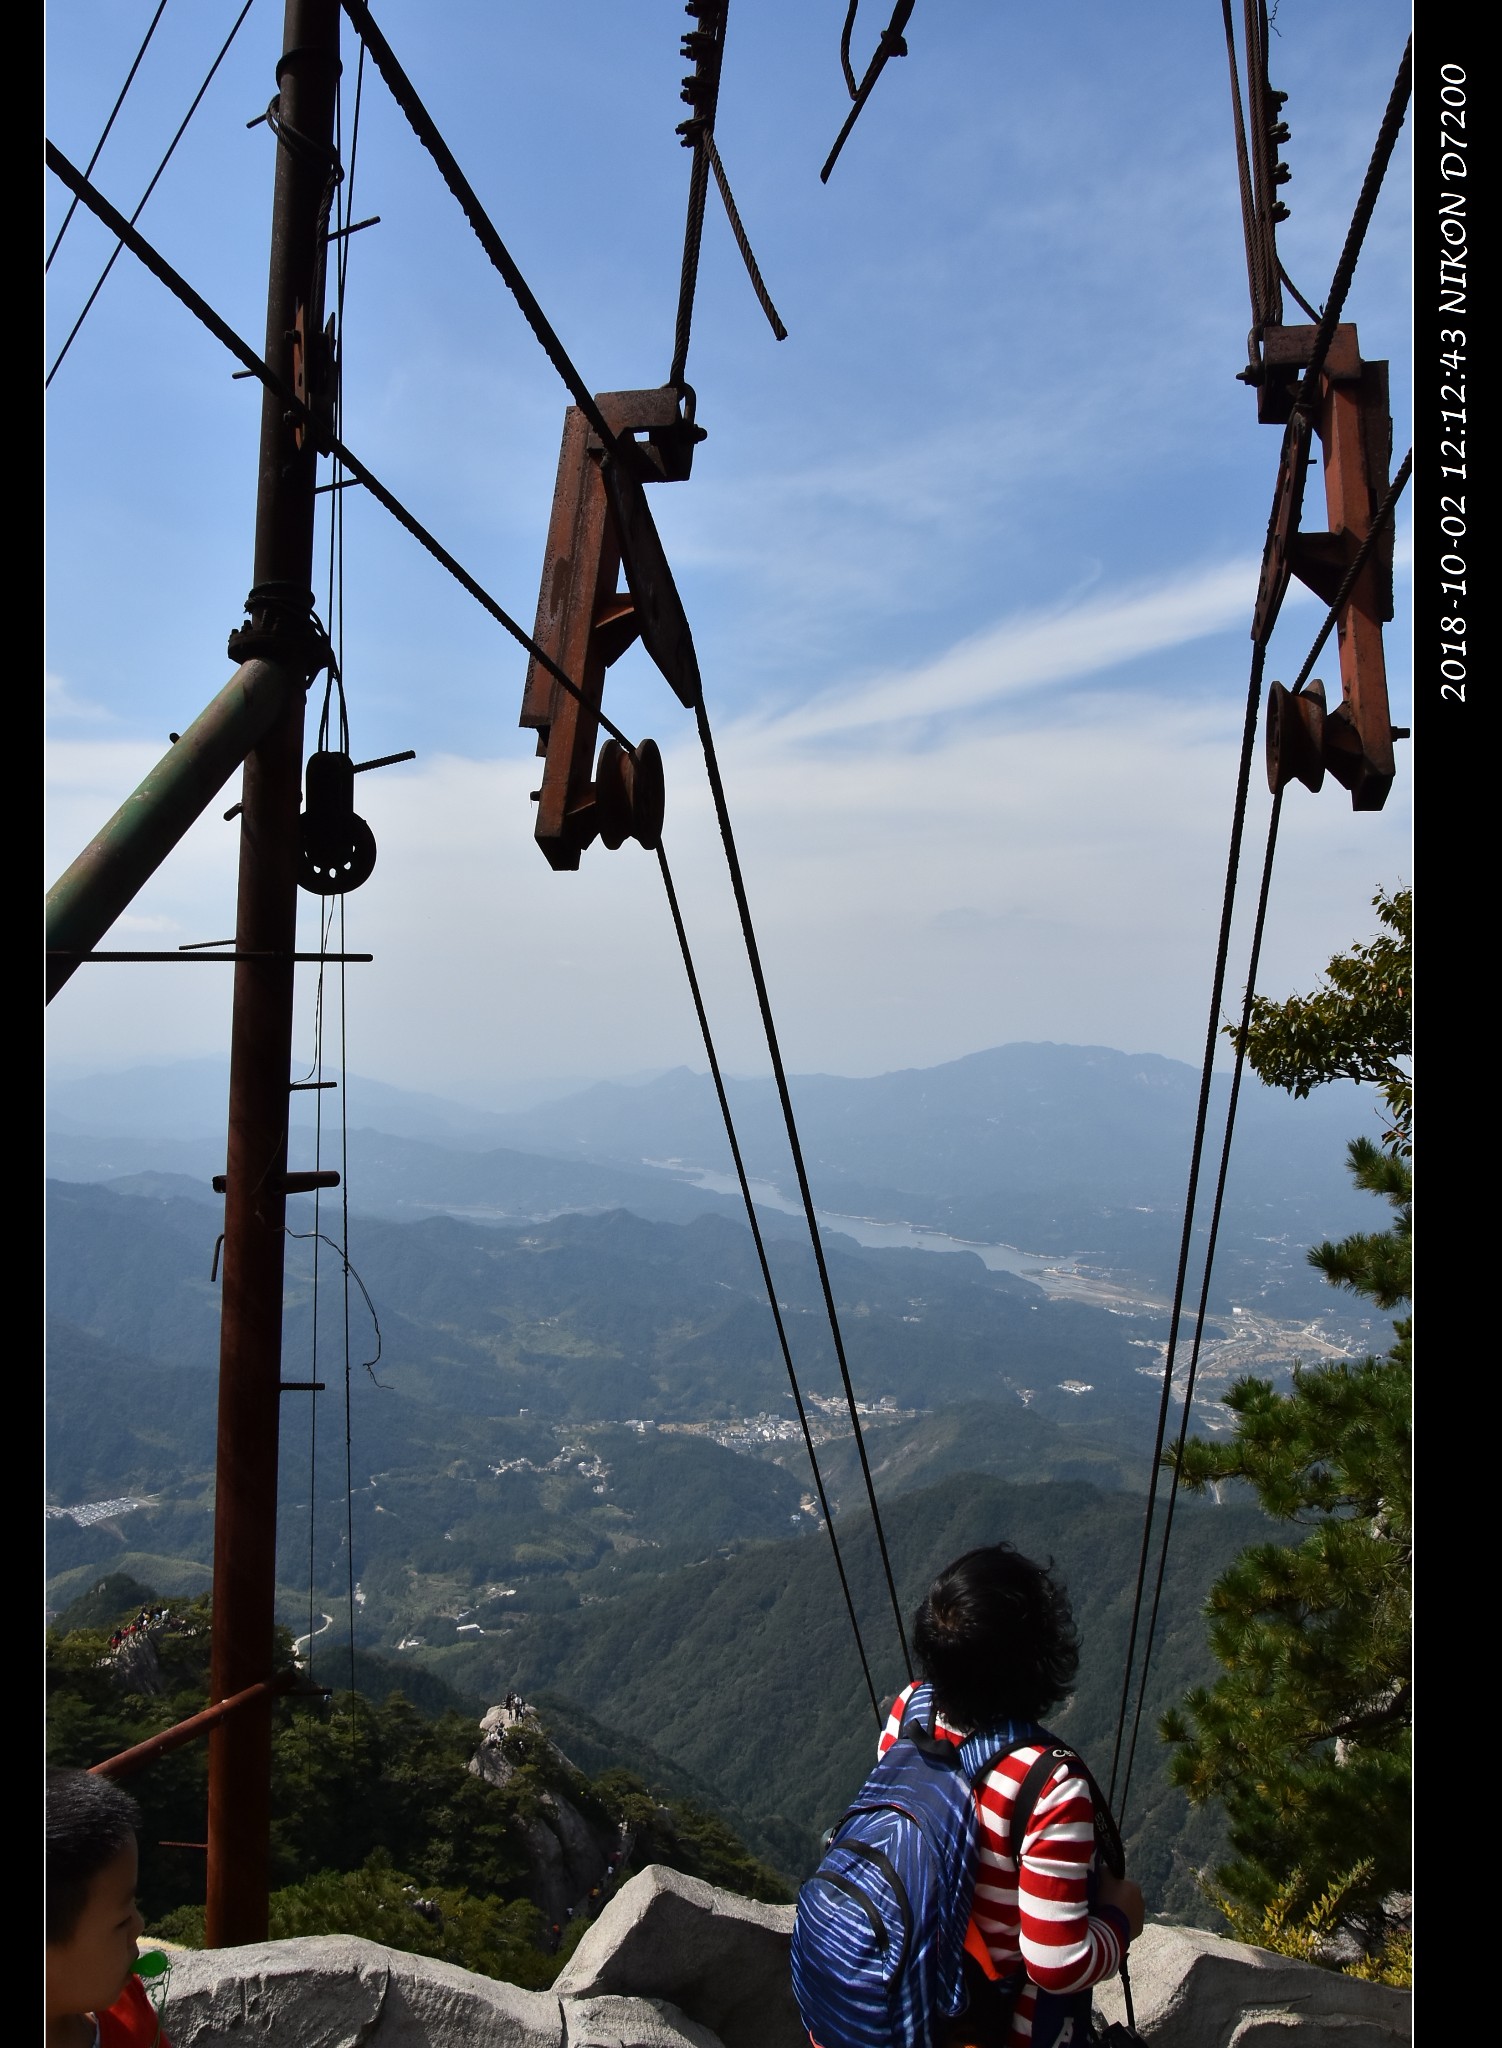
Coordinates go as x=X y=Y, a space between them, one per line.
x=722 y=1959
x=571 y=1860
x=675 y=1963
x=1194 y=1990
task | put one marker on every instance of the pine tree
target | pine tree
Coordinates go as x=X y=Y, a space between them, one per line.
x=1305 y=1739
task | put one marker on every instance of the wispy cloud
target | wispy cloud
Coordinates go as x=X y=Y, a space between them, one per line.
x=59 y=703
x=1058 y=644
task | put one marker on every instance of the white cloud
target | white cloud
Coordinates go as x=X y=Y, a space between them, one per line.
x=1057 y=644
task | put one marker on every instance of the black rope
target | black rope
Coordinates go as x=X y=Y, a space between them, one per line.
x=889 y=44
x=425 y=128
x=688 y=277
x=1371 y=185
x=369 y=1364
x=88 y=168
x=177 y=138
x=1384 y=514
x=706 y=46
x=1204 y=1298
x=223 y=332
x=1248 y=734
x=1243 y=170
x=1297 y=294
x=754 y=957
x=1261 y=109
x=845 y=33
x=742 y=242
x=349 y=1438
x=766 y=1270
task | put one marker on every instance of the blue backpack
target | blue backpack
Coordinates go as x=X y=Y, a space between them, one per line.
x=879 y=1935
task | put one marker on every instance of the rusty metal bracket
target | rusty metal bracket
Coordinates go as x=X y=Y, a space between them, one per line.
x=600 y=523
x=1354 y=427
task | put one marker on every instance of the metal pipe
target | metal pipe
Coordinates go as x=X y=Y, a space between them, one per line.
x=183 y=1732
x=87 y=898
x=255 y=1208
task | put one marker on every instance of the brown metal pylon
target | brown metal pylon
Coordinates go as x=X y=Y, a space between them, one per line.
x=280 y=628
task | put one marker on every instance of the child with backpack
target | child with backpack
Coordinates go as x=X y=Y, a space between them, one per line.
x=961 y=1902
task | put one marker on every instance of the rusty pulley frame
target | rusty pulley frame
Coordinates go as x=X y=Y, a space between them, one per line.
x=1352 y=423
x=601 y=525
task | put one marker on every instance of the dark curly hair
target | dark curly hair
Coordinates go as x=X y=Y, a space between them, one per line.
x=996 y=1639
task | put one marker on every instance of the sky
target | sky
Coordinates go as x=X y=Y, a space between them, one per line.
x=969 y=557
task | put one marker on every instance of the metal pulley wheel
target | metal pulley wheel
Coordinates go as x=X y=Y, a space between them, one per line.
x=1295 y=736
x=338 y=849
x=629 y=794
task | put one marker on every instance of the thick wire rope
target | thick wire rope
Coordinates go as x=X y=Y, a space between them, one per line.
x=1204 y=1297
x=693 y=236
x=1340 y=284
x=1366 y=200
x=1243 y=169
x=706 y=159
x=753 y=955
x=1228 y=899
x=425 y=128
x=181 y=290
x=742 y=241
x=1348 y=582
x=325 y=925
x=156 y=174
x=349 y=1437
x=88 y=168
x=1260 y=108
x=766 y=1270
x=890 y=43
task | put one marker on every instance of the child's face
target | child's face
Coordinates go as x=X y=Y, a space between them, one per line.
x=87 y=1972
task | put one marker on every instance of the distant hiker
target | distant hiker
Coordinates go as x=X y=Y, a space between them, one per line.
x=94 y=1999
x=1013 y=1917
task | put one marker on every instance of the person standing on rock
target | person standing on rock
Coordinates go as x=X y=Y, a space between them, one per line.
x=996 y=1644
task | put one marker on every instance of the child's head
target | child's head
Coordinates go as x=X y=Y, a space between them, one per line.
x=92 y=1922
x=996 y=1638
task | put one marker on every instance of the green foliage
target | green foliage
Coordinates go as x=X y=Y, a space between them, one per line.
x=381 y=1903
x=1305 y=1738
x=1286 y=1924
x=1378 y=1264
x=379 y=1827
x=1356 y=1026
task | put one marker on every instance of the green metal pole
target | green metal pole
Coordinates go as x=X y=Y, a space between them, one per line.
x=85 y=901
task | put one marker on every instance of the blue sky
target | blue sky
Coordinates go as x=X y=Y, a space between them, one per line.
x=969 y=557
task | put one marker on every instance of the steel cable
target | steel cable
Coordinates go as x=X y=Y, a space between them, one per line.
x=425 y=128
x=1238 y=818
x=890 y=43
x=1366 y=200
x=766 y=1270
x=1340 y=284
x=753 y=955
x=181 y=290
x=688 y=280
x=88 y=168
x=1243 y=169
x=1384 y=513
x=753 y=271
x=177 y=138
x=1199 y=1327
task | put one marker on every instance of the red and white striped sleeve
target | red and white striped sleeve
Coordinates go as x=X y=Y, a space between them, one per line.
x=1043 y=1908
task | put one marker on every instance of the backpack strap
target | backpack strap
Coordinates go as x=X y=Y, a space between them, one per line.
x=1107 y=1834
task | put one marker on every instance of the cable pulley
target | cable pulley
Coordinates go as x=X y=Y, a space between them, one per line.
x=1295 y=737
x=629 y=795
x=338 y=850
